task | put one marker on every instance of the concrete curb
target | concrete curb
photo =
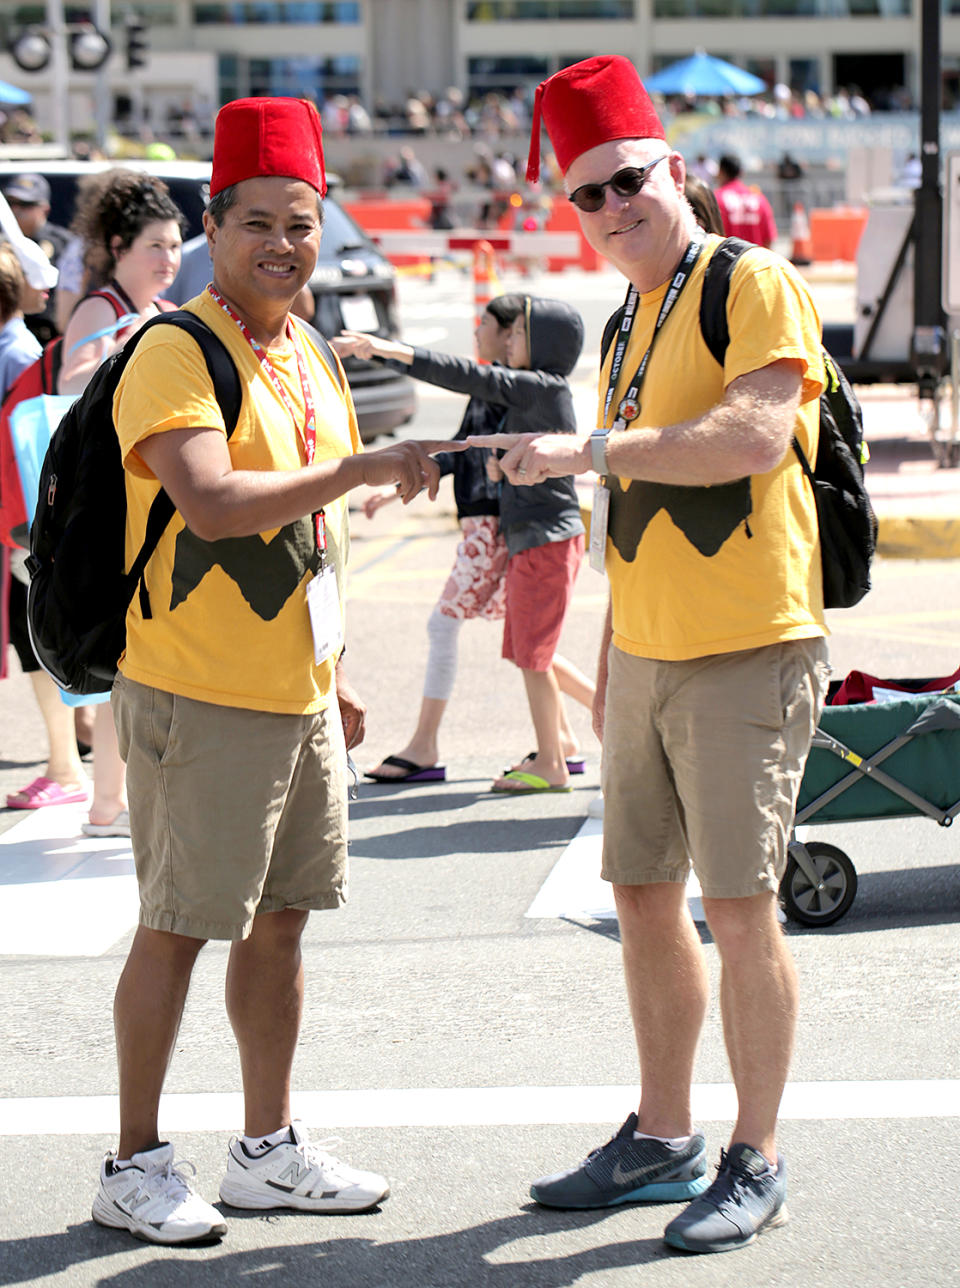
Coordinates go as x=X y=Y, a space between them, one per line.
x=910 y=537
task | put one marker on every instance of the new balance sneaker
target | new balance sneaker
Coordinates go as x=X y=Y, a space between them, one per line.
x=746 y=1198
x=628 y=1171
x=298 y=1174
x=153 y=1200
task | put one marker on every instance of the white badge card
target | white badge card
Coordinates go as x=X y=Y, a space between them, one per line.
x=326 y=620
x=599 y=518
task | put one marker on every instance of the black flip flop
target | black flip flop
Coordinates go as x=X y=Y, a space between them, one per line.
x=413 y=773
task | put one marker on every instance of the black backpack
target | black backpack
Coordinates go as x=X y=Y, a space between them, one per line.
x=79 y=593
x=847 y=523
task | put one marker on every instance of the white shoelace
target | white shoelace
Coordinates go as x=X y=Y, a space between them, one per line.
x=166 y=1179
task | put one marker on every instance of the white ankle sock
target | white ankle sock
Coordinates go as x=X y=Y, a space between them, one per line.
x=674 y=1142
x=260 y=1144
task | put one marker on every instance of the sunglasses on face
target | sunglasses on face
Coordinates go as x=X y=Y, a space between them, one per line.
x=625 y=183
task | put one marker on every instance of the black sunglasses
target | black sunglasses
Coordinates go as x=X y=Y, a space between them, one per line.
x=625 y=183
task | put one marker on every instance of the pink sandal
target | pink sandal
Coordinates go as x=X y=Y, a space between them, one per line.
x=44 y=791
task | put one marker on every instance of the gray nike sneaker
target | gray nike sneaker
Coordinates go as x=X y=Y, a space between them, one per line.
x=746 y=1198
x=628 y=1171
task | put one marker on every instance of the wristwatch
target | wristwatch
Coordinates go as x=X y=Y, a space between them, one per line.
x=598 y=451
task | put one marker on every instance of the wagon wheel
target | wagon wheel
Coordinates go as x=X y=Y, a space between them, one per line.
x=804 y=902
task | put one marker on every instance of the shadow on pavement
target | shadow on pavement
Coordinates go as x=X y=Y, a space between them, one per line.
x=493 y=836
x=474 y=1256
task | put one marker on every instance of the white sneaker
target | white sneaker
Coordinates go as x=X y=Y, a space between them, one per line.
x=153 y=1200
x=297 y=1174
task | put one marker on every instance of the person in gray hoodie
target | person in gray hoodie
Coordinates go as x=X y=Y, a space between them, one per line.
x=541 y=525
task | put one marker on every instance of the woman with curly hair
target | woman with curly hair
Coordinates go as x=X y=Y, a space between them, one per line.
x=132 y=233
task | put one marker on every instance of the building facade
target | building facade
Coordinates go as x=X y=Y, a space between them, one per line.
x=204 y=52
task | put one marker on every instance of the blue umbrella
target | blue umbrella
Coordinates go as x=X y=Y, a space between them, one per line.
x=704 y=76
x=11 y=96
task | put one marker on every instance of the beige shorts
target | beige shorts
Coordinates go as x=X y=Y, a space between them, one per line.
x=232 y=812
x=702 y=762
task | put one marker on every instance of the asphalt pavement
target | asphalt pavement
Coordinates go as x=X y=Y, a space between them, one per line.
x=466 y=1028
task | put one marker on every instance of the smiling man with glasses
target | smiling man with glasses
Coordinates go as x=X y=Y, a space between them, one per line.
x=713 y=664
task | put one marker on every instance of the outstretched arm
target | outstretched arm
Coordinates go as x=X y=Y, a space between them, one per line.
x=216 y=500
x=360 y=344
x=747 y=433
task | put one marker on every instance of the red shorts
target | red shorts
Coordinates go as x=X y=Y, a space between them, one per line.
x=539 y=587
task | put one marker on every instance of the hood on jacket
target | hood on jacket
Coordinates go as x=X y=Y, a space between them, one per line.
x=554 y=335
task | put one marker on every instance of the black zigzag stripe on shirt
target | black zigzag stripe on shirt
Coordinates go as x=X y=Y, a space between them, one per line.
x=707 y=516
x=266 y=572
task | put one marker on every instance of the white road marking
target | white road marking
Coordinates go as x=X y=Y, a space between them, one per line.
x=575 y=890
x=482 y=1107
x=63 y=894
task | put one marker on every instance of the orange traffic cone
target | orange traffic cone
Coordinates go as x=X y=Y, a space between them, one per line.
x=483 y=275
x=802 y=245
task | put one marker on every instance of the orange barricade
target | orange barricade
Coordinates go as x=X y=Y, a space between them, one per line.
x=380 y=214
x=563 y=219
x=835 y=234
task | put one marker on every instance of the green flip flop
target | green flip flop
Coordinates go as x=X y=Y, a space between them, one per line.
x=531 y=783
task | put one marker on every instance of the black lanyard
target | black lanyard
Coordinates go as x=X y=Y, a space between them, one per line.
x=629 y=407
x=122 y=296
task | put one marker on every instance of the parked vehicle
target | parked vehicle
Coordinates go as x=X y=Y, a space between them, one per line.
x=354 y=284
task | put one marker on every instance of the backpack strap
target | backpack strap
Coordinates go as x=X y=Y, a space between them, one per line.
x=713 y=296
x=611 y=327
x=713 y=313
x=323 y=345
x=713 y=300
x=51 y=360
x=229 y=395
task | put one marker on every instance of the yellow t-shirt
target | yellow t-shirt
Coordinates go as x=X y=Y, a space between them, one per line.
x=229 y=621
x=701 y=570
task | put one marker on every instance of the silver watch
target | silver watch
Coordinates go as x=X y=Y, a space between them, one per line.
x=598 y=451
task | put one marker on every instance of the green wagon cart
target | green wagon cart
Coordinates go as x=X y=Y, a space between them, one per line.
x=869 y=761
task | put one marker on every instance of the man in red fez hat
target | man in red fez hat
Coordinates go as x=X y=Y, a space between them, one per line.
x=713 y=664
x=232 y=706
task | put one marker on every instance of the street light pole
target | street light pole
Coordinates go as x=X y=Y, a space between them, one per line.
x=59 y=71
x=101 y=19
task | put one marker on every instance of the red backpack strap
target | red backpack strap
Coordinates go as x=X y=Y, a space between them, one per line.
x=51 y=360
x=105 y=293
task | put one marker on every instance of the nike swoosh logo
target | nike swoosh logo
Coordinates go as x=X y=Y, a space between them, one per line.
x=650 y=1170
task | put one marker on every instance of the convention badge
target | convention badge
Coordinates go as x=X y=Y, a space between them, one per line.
x=326 y=620
x=599 y=517
x=628 y=410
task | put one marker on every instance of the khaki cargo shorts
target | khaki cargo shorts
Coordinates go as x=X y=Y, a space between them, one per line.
x=232 y=812
x=702 y=763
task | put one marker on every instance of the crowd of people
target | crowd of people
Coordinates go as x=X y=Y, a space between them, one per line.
x=712 y=659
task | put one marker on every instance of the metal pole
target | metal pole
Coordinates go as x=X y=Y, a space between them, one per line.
x=929 y=346
x=102 y=101
x=59 y=73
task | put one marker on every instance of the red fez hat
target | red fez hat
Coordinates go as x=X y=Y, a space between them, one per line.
x=266 y=136
x=592 y=102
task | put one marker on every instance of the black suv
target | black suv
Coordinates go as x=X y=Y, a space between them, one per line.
x=354 y=284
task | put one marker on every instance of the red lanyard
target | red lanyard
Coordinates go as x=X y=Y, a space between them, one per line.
x=307 y=433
